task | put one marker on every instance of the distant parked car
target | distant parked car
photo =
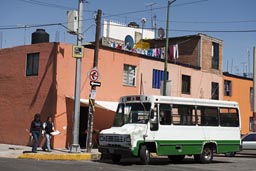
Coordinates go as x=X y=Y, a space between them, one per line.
x=248 y=142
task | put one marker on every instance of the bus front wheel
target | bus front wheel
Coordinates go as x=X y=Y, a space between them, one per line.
x=144 y=155
x=206 y=156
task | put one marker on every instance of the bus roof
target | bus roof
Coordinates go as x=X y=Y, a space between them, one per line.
x=178 y=100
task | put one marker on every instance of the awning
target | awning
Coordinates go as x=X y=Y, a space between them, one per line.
x=108 y=105
x=102 y=104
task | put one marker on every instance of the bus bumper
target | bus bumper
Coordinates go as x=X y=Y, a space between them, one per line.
x=115 y=150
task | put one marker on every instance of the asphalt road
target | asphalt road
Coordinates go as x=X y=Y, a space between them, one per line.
x=238 y=163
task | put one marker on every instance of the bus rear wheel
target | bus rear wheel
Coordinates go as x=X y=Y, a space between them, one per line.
x=144 y=155
x=205 y=157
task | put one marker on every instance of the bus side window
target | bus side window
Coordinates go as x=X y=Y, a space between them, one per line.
x=229 y=117
x=198 y=116
x=187 y=115
x=175 y=115
x=165 y=114
x=209 y=116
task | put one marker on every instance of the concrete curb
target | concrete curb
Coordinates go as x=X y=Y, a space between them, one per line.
x=79 y=156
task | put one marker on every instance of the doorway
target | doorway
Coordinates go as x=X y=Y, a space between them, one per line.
x=83 y=126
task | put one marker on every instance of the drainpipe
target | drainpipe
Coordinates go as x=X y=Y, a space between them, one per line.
x=254 y=89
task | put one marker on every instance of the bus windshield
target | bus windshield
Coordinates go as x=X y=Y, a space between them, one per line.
x=132 y=113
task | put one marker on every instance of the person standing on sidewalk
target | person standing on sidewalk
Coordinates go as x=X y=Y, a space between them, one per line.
x=48 y=129
x=35 y=131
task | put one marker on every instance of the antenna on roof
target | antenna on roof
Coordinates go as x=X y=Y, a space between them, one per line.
x=1 y=40
x=153 y=19
x=143 y=21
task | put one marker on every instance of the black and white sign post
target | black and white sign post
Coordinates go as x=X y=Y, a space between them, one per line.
x=94 y=77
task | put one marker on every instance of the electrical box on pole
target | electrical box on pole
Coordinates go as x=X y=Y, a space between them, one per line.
x=72 y=21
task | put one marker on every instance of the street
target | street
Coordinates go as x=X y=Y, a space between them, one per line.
x=238 y=163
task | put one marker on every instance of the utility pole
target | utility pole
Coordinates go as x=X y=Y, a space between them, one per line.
x=254 y=89
x=93 y=87
x=75 y=147
x=166 y=47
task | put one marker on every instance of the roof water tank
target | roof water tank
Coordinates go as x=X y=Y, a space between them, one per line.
x=133 y=24
x=40 y=36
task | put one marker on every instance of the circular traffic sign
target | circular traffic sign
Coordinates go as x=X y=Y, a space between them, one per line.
x=94 y=75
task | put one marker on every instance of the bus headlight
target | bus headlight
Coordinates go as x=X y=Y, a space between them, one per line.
x=102 y=138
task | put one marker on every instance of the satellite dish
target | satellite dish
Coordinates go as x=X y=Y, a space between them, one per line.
x=143 y=20
x=161 y=33
x=129 y=43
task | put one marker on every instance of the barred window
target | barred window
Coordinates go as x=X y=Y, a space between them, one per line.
x=129 y=75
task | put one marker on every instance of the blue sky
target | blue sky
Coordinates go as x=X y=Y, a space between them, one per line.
x=194 y=16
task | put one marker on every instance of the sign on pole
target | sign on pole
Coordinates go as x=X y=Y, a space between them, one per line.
x=94 y=75
x=78 y=51
x=95 y=83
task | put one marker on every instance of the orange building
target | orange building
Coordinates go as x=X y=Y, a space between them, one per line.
x=239 y=89
x=40 y=78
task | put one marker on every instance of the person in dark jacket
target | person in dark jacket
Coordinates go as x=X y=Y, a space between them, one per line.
x=48 y=127
x=35 y=131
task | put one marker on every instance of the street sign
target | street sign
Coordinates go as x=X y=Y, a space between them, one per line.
x=97 y=84
x=78 y=51
x=94 y=75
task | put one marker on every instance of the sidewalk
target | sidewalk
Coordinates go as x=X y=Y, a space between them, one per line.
x=24 y=152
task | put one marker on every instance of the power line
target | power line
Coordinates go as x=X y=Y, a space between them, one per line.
x=46 y=4
x=36 y=2
x=156 y=8
x=215 y=31
x=199 y=31
x=29 y=26
x=214 y=22
x=179 y=30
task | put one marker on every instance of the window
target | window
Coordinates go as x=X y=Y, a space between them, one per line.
x=158 y=76
x=251 y=99
x=215 y=91
x=207 y=116
x=227 y=88
x=185 y=84
x=250 y=137
x=32 y=64
x=129 y=75
x=165 y=114
x=215 y=55
x=183 y=115
x=229 y=117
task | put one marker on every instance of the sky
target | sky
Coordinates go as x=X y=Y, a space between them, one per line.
x=232 y=21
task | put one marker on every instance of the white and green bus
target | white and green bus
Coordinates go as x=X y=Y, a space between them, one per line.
x=173 y=127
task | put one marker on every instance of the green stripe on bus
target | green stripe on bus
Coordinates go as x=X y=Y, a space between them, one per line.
x=190 y=147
